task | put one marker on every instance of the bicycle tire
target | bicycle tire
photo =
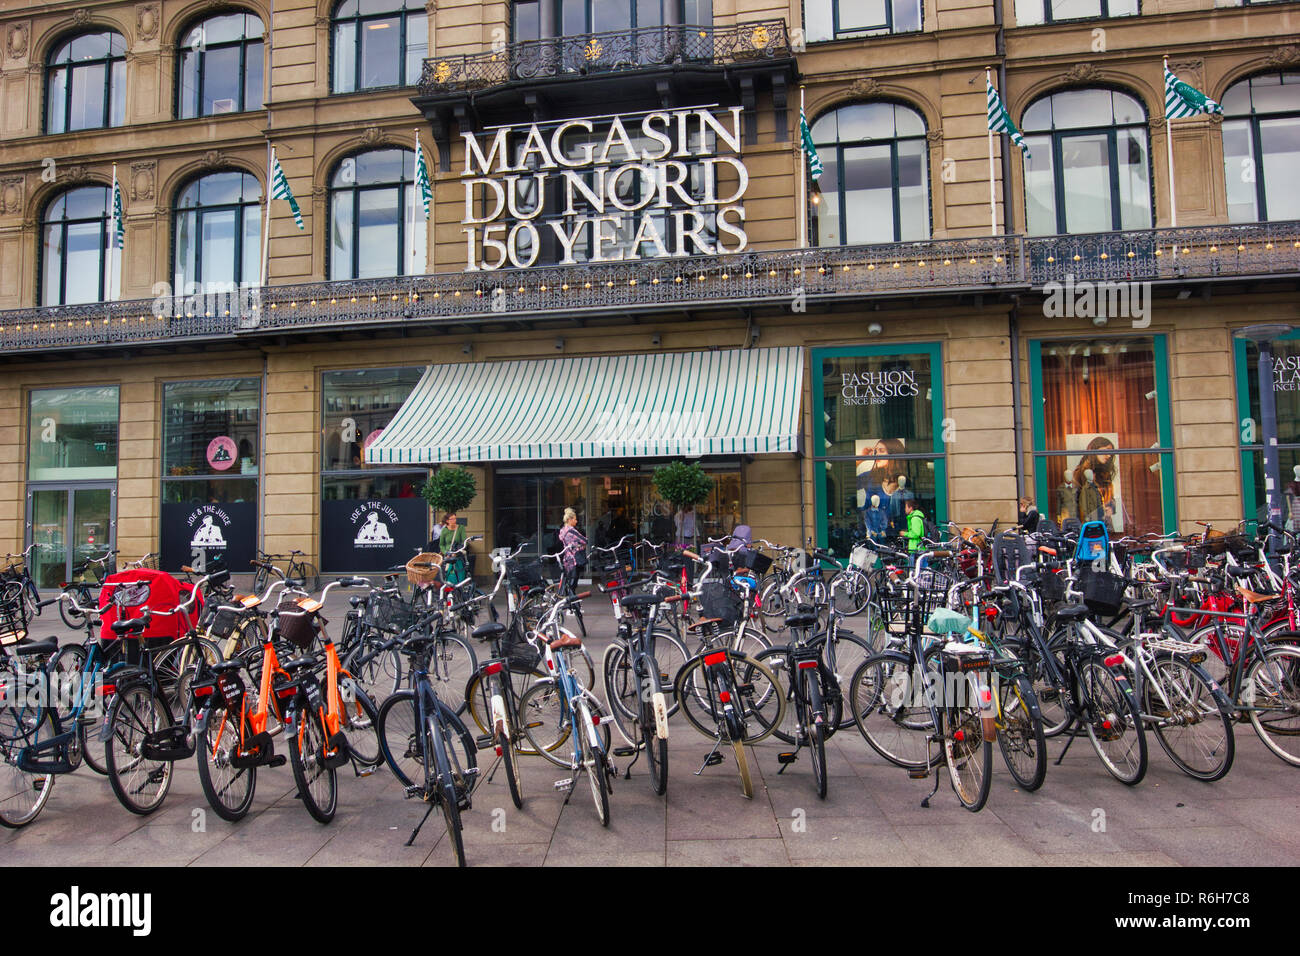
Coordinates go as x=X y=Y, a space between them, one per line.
x=656 y=749
x=1196 y=703
x=66 y=669
x=1055 y=703
x=73 y=618
x=260 y=580
x=848 y=651
x=310 y=576
x=445 y=787
x=228 y=789
x=1273 y=678
x=1020 y=733
x=140 y=784
x=511 y=760
x=398 y=740
x=883 y=696
x=318 y=785
x=817 y=751
x=361 y=723
x=853 y=593
x=452 y=663
x=1113 y=721
x=967 y=752
x=176 y=664
x=23 y=795
x=595 y=765
x=545 y=721
x=694 y=696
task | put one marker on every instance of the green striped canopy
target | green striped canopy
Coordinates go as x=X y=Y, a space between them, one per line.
x=666 y=404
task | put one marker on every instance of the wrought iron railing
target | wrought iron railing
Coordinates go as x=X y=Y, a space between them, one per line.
x=637 y=49
x=936 y=266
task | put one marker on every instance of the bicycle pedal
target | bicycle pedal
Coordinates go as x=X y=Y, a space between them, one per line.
x=277 y=760
x=564 y=784
x=745 y=690
x=366 y=771
x=713 y=759
x=787 y=758
x=624 y=751
x=484 y=741
x=918 y=774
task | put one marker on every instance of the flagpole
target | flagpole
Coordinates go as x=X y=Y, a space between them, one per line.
x=802 y=177
x=415 y=198
x=1169 y=149
x=112 y=237
x=993 y=203
x=266 y=222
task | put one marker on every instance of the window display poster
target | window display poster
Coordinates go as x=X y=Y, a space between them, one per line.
x=1100 y=496
x=195 y=534
x=881 y=474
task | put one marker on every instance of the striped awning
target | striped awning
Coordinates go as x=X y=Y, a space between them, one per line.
x=674 y=404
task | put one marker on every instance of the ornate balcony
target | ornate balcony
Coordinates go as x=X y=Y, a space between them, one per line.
x=651 y=67
x=841 y=274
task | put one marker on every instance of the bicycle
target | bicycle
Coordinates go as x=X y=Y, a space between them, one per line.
x=81 y=590
x=559 y=708
x=16 y=581
x=298 y=570
x=419 y=737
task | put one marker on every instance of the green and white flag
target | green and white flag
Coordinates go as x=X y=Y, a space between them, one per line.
x=1000 y=119
x=119 y=228
x=806 y=141
x=280 y=189
x=422 y=176
x=1184 y=100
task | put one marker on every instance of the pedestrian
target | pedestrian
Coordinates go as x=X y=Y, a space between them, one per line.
x=451 y=538
x=574 y=556
x=915 y=531
x=1028 y=515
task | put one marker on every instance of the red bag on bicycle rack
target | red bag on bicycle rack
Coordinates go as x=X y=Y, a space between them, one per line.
x=164 y=594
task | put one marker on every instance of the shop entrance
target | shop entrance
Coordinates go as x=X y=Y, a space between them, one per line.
x=68 y=524
x=610 y=502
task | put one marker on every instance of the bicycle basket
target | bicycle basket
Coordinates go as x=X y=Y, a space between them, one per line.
x=931 y=591
x=389 y=612
x=755 y=561
x=13 y=616
x=423 y=568
x=521 y=655
x=223 y=623
x=131 y=593
x=527 y=574
x=719 y=600
x=862 y=558
x=1052 y=586
x=1103 y=592
x=673 y=564
x=297 y=626
x=966 y=657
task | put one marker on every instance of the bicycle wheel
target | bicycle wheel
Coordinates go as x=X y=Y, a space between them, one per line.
x=229 y=789
x=451 y=665
x=546 y=723
x=1020 y=732
x=446 y=788
x=816 y=733
x=177 y=663
x=852 y=590
x=1192 y=719
x=22 y=795
x=888 y=703
x=968 y=753
x=317 y=783
x=261 y=579
x=771 y=604
x=595 y=764
x=399 y=739
x=71 y=616
x=762 y=697
x=360 y=723
x=656 y=751
x=1271 y=694
x=311 y=577
x=139 y=783
x=69 y=691
x=1054 y=702
x=1113 y=722
x=511 y=761
x=379 y=672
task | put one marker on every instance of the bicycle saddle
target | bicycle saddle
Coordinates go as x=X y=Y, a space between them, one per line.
x=136 y=625
x=225 y=667
x=1071 y=612
x=1255 y=597
x=566 y=640
x=298 y=663
x=29 y=648
x=488 y=632
x=642 y=600
x=805 y=615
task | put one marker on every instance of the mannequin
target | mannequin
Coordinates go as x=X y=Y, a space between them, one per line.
x=1090 y=504
x=877 y=521
x=1067 y=499
x=897 y=512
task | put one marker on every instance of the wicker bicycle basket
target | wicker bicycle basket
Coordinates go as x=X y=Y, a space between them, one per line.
x=296 y=625
x=13 y=616
x=424 y=568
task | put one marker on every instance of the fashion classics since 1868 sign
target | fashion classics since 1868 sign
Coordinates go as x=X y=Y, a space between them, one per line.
x=1286 y=373
x=658 y=166
x=876 y=387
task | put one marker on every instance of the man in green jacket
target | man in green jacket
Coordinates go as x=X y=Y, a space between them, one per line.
x=915 y=532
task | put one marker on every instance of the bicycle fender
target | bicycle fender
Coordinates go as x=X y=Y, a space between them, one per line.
x=661 y=715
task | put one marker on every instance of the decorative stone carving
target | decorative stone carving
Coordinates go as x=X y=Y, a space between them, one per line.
x=142 y=176
x=146 y=21
x=81 y=16
x=1083 y=73
x=16 y=41
x=1189 y=71
x=934 y=137
x=430 y=7
x=866 y=86
x=75 y=173
x=1285 y=55
x=373 y=136
x=11 y=195
x=212 y=159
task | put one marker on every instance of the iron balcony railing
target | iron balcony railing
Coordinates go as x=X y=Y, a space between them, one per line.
x=643 y=48
x=752 y=278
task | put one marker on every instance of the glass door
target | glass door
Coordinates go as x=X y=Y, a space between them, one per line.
x=68 y=525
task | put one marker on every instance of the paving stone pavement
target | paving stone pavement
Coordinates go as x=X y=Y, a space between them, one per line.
x=871 y=815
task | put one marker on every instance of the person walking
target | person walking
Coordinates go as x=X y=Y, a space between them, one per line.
x=915 y=530
x=574 y=557
x=451 y=538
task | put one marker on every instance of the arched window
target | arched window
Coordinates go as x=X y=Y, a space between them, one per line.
x=74 y=250
x=217 y=230
x=85 y=83
x=378 y=43
x=220 y=66
x=1089 y=168
x=1261 y=147
x=876 y=183
x=373 y=229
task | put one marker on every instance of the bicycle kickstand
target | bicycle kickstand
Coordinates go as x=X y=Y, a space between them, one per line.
x=713 y=759
x=935 y=789
x=1068 y=728
x=416 y=831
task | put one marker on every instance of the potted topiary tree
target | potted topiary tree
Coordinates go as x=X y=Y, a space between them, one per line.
x=683 y=486
x=448 y=490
